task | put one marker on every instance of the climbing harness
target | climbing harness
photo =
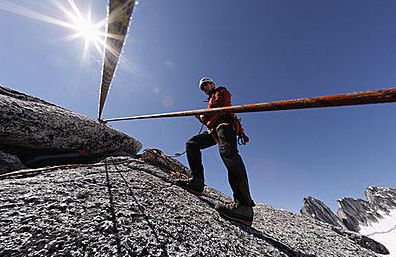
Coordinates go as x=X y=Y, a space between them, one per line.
x=242 y=138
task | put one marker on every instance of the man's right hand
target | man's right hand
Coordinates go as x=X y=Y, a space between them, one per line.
x=200 y=117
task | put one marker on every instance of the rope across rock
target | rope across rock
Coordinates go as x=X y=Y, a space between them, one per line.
x=357 y=98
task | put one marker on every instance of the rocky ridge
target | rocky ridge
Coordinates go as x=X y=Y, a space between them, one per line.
x=35 y=133
x=353 y=213
x=379 y=201
x=317 y=209
x=131 y=207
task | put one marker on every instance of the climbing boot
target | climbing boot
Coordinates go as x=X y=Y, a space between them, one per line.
x=237 y=212
x=194 y=185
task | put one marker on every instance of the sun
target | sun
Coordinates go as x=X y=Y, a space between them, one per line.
x=72 y=18
x=84 y=28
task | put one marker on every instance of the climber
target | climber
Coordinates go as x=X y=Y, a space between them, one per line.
x=220 y=131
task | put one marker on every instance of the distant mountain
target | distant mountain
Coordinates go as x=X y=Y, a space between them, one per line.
x=374 y=217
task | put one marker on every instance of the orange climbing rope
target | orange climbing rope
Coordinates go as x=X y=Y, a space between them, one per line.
x=358 y=98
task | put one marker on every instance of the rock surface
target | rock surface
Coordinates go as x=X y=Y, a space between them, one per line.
x=31 y=127
x=134 y=209
x=9 y=162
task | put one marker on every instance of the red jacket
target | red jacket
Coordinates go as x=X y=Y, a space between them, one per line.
x=219 y=97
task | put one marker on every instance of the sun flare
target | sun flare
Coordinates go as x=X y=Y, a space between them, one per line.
x=81 y=26
x=87 y=30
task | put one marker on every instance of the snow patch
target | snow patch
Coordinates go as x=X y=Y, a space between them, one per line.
x=383 y=231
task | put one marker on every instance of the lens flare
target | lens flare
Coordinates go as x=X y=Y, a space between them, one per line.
x=82 y=26
x=87 y=30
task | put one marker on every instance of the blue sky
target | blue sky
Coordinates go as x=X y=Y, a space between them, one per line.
x=261 y=51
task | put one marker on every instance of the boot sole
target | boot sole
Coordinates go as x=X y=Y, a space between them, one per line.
x=197 y=193
x=245 y=222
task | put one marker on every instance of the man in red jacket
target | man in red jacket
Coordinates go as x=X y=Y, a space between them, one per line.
x=220 y=131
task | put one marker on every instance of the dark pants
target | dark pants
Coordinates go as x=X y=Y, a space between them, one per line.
x=237 y=176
